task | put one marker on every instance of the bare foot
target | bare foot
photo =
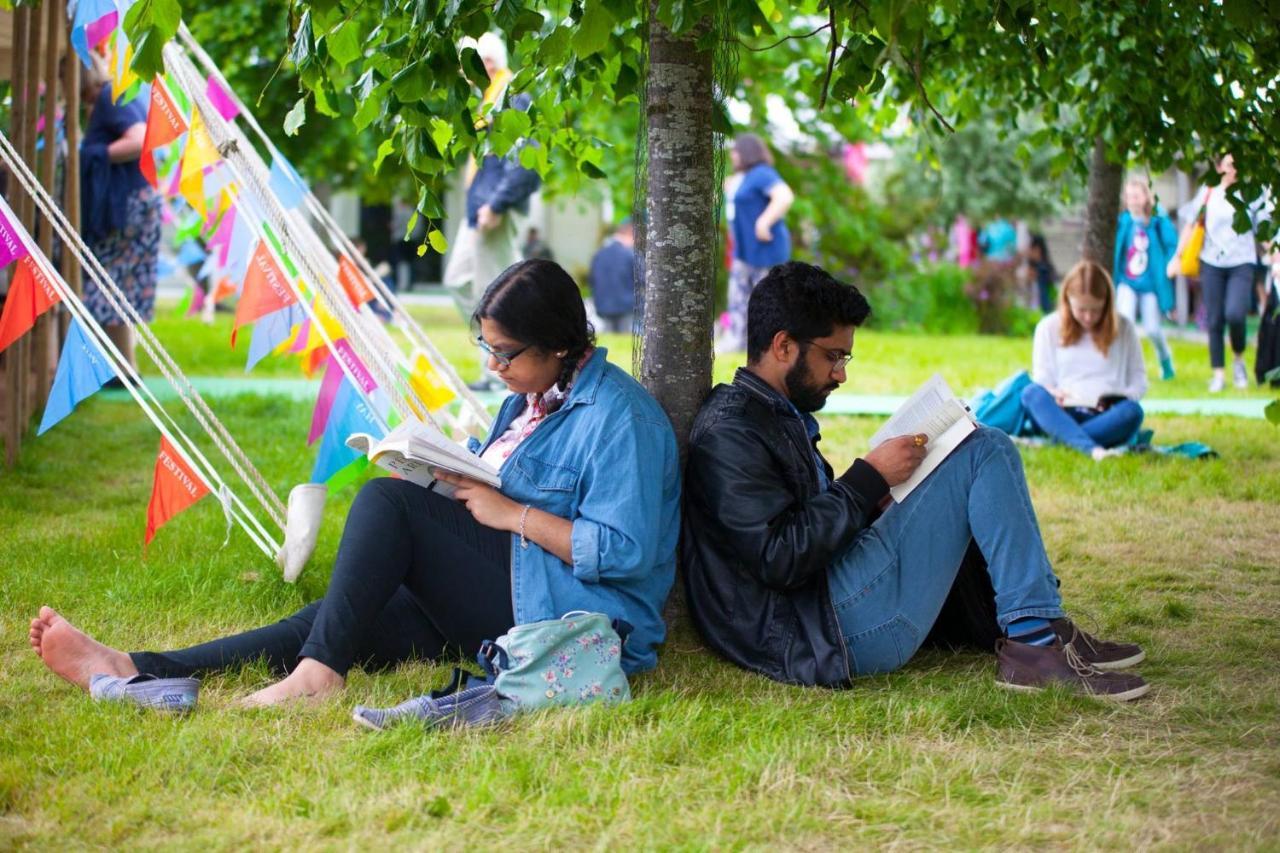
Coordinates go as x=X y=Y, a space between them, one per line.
x=311 y=680
x=73 y=654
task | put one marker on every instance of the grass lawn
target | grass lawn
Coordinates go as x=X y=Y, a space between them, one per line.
x=1180 y=556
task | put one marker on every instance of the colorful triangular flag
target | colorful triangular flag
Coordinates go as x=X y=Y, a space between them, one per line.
x=175 y=487
x=31 y=293
x=94 y=20
x=353 y=282
x=329 y=386
x=271 y=331
x=350 y=414
x=285 y=183
x=164 y=124
x=265 y=290
x=221 y=100
x=83 y=368
x=11 y=245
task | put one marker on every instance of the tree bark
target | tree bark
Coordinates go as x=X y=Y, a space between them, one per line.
x=680 y=235
x=1103 y=207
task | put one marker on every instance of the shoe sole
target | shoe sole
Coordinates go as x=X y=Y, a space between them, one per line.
x=1126 y=696
x=1124 y=663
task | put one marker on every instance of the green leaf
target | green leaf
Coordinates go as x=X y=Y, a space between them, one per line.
x=437 y=241
x=441 y=133
x=554 y=47
x=323 y=106
x=593 y=30
x=296 y=117
x=149 y=25
x=344 y=44
x=473 y=68
x=413 y=83
x=1273 y=412
x=371 y=107
x=386 y=149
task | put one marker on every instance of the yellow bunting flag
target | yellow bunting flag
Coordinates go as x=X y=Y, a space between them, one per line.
x=200 y=154
x=428 y=385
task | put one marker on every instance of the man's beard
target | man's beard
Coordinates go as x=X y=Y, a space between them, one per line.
x=805 y=393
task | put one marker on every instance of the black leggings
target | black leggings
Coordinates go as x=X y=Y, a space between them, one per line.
x=416 y=578
x=1226 y=300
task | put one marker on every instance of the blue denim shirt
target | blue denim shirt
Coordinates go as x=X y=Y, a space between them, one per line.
x=607 y=461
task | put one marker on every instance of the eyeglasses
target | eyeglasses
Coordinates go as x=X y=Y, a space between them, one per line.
x=504 y=359
x=837 y=358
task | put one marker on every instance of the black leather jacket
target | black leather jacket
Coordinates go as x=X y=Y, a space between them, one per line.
x=758 y=535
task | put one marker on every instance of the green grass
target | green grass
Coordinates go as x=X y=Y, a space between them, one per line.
x=1178 y=555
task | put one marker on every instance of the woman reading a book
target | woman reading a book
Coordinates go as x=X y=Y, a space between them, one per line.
x=587 y=518
x=1087 y=368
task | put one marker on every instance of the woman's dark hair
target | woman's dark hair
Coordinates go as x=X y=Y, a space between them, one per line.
x=802 y=300
x=751 y=151
x=538 y=304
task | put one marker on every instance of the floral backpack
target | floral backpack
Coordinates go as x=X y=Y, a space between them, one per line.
x=573 y=660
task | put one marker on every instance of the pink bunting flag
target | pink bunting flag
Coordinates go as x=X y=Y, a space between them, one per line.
x=11 y=245
x=221 y=239
x=324 y=403
x=221 y=101
x=342 y=349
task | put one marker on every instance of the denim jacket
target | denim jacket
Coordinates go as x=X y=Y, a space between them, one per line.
x=607 y=461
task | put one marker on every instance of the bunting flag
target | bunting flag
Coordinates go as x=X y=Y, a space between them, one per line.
x=221 y=237
x=82 y=369
x=329 y=386
x=164 y=125
x=349 y=414
x=196 y=302
x=222 y=102
x=265 y=290
x=175 y=487
x=271 y=331
x=286 y=184
x=353 y=282
x=223 y=289
x=125 y=84
x=11 y=245
x=31 y=293
x=94 y=21
x=428 y=385
x=201 y=153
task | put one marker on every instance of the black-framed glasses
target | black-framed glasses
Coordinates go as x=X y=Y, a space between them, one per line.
x=837 y=358
x=504 y=359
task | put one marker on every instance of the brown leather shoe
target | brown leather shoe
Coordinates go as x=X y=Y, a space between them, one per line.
x=1103 y=654
x=1030 y=668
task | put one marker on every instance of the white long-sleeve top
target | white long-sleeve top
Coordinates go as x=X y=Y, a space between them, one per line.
x=1083 y=372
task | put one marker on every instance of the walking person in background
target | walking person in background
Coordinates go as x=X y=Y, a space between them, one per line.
x=612 y=280
x=1087 y=368
x=1227 y=262
x=760 y=236
x=1144 y=238
x=120 y=210
x=498 y=189
x=1042 y=271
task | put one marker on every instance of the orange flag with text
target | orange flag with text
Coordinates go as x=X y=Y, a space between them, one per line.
x=176 y=487
x=30 y=295
x=265 y=289
x=164 y=124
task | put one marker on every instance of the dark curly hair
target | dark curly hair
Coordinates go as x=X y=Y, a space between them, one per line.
x=802 y=300
x=539 y=304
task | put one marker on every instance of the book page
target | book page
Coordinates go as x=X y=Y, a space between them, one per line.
x=413 y=449
x=940 y=448
x=931 y=410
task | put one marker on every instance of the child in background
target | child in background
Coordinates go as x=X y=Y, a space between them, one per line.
x=1145 y=241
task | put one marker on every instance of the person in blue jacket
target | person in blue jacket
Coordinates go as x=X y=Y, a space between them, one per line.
x=587 y=518
x=1145 y=241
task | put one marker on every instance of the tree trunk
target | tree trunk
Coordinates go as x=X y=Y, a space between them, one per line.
x=1103 y=208
x=680 y=235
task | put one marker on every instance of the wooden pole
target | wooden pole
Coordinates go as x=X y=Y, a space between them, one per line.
x=71 y=271
x=13 y=383
x=47 y=339
x=31 y=85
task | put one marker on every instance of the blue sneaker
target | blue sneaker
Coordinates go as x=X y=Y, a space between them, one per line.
x=476 y=706
x=1166 y=369
x=176 y=695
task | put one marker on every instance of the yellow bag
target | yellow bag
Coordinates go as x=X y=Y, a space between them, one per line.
x=1191 y=252
x=1190 y=266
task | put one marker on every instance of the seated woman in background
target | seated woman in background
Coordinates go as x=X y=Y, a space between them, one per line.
x=1086 y=367
x=587 y=519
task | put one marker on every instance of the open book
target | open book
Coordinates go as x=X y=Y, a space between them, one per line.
x=413 y=449
x=936 y=412
x=1087 y=399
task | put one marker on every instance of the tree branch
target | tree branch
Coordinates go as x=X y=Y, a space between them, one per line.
x=781 y=40
x=924 y=96
x=831 y=60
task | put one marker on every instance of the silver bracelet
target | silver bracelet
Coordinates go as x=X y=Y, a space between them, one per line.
x=524 y=543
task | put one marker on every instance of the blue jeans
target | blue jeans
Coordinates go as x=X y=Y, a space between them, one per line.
x=890 y=585
x=1083 y=429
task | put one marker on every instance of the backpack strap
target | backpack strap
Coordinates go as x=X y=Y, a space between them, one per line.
x=492 y=659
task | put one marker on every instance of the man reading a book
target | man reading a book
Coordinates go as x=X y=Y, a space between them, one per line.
x=810 y=577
